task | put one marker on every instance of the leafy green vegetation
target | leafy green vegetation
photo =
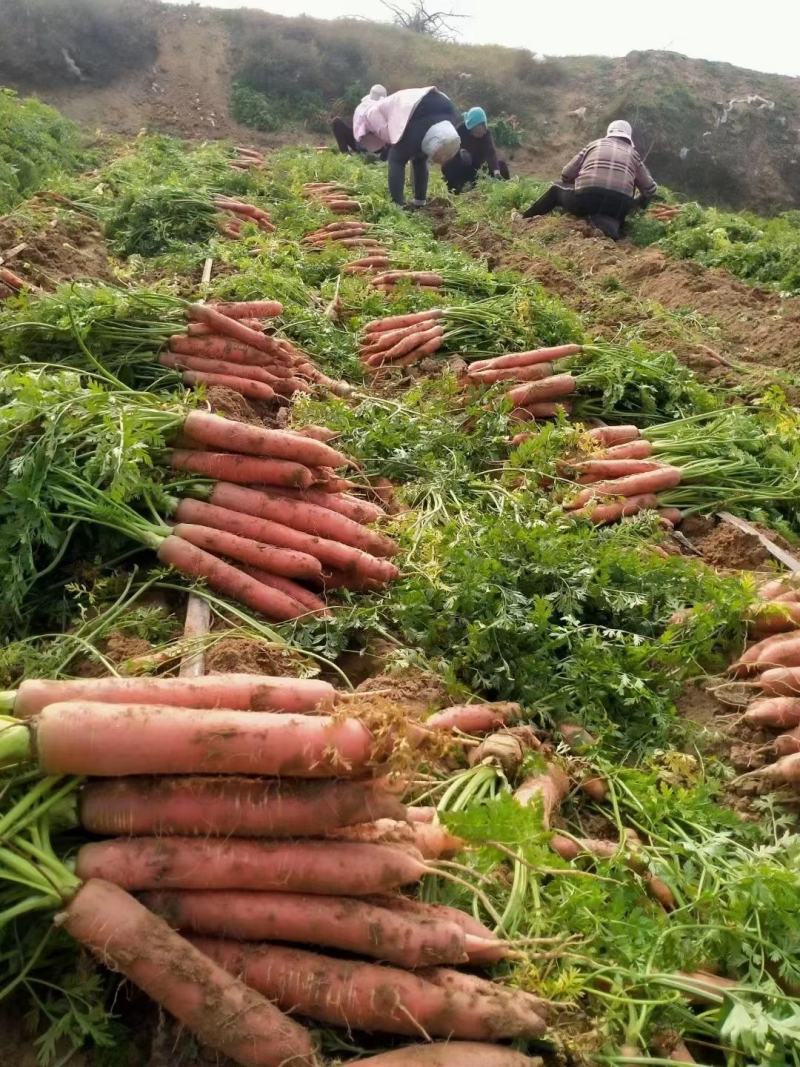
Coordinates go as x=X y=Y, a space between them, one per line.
x=759 y=250
x=35 y=144
x=502 y=594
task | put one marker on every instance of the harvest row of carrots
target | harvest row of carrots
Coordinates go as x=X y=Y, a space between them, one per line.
x=246 y=811
x=334 y=197
x=228 y=345
x=401 y=340
x=247 y=159
x=234 y=213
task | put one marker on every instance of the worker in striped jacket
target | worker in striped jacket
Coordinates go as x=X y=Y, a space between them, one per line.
x=599 y=183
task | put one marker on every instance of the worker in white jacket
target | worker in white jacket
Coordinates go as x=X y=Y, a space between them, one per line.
x=419 y=125
x=343 y=130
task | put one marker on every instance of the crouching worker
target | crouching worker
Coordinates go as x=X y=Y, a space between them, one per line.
x=477 y=150
x=600 y=182
x=343 y=130
x=418 y=126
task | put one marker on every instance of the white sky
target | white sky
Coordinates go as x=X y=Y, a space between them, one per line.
x=763 y=35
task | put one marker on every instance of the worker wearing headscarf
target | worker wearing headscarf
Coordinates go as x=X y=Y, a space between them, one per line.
x=477 y=151
x=343 y=130
x=599 y=183
x=419 y=125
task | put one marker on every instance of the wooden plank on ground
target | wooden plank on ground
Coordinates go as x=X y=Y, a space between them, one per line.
x=197 y=625
x=786 y=558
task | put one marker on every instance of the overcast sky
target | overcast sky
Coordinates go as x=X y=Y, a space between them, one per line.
x=763 y=35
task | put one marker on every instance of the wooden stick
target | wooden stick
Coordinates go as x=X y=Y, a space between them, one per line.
x=786 y=558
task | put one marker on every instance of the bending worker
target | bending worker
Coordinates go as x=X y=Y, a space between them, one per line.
x=477 y=150
x=599 y=183
x=419 y=125
x=343 y=130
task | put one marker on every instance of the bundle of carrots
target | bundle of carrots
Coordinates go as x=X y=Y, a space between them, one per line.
x=542 y=392
x=275 y=522
x=421 y=279
x=226 y=345
x=237 y=212
x=347 y=235
x=665 y=212
x=628 y=484
x=334 y=196
x=247 y=158
x=246 y=811
x=378 y=259
x=401 y=340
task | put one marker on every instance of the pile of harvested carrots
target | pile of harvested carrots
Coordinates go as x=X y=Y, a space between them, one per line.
x=226 y=345
x=773 y=665
x=234 y=213
x=420 y=279
x=541 y=392
x=247 y=159
x=401 y=340
x=278 y=511
x=349 y=234
x=334 y=197
x=248 y=810
x=665 y=212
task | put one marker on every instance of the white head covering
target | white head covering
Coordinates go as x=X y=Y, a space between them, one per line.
x=441 y=142
x=620 y=128
x=377 y=92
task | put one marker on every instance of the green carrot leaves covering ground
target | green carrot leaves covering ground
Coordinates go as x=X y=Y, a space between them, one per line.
x=502 y=594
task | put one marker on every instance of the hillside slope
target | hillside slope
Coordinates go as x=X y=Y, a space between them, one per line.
x=711 y=130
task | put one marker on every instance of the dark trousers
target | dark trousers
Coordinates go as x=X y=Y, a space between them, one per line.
x=434 y=107
x=343 y=132
x=459 y=175
x=605 y=208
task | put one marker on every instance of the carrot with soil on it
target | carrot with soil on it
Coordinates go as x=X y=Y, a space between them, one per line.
x=450 y=1054
x=632 y=485
x=614 y=435
x=549 y=788
x=217 y=432
x=253 y=390
x=472 y=718
x=595 y=470
x=364 y=927
x=115 y=740
x=778 y=713
x=363 y=511
x=525 y=359
x=599 y=513
x=232 y=806
x=396 y=321
x=235 y=467
x=221 y=543
x=308 y=600
x=220 y=366
x=259 y=692
x=244 y=309
x=557 y=385
x=534 y=373
x=343 y=993
x=337 y=868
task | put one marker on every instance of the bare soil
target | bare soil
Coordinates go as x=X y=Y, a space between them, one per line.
x=720 y=315
x=234 y=655
x=60 y=246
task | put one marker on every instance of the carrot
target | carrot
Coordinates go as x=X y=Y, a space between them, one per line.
x=12 y=280
x=300 y=515
x=396 y=321
x=785 y=771
x=267 y=557
x=470 y=984
x=787 y=744
x=780 y=650
x=545 y=409
x=199 y=329
x=653 y=481
x=704 y=986
x=557 y=385
x=512 y=374
x=473 y=718
x=261 y=692
x=362 y=927
x=774 y=616
x=526 y=359
x=781 y=682
x=244 y=309
x=432 y=842
x=422 y=277
x=775 y=588
x=601 y=513
x=233 y=467
x=405 y=345
x=775 y=712
x=362 y=511
x=215 y=1006
x=570 y=848
x=549 y=788
x=232 y=807
x=380 y=342
x=253 y=390
x=416 y=813
x=319 y=433
x=217 y=432
x=452 y=1054
x=193 y=562
x=593 y=470
x=293 y=590
x=325 y=867
x=614 y=435
x=112 y=740
x=220 y=366
x=230 y=327
x=354 y=994
x=216 y=346
x=331 y=553
x=640 y=449
x=481 y=944
x=670 y=516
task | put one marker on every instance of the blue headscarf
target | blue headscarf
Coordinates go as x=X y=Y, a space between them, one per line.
x=476 y=116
